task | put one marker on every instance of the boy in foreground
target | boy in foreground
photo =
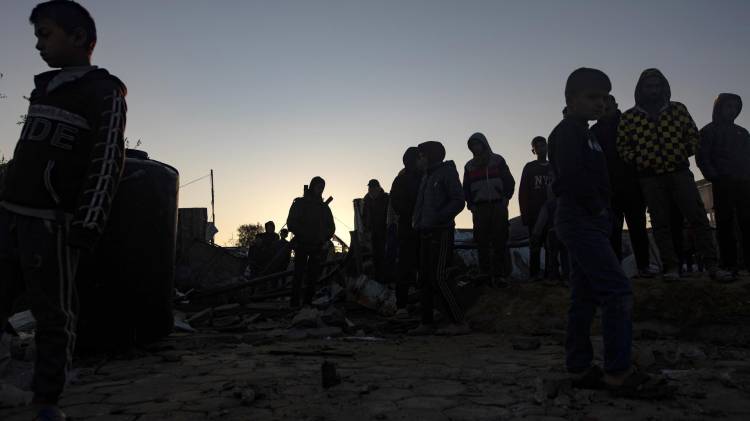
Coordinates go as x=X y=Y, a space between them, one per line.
x=583 y=223
x=59 y=187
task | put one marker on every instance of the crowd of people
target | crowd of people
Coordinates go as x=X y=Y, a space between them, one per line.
x=573 y=204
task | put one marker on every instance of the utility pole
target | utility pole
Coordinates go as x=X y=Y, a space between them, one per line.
x=213 y=211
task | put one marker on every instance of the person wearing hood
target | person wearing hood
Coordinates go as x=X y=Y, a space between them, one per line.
x=488 y=187
x=311 y=221
x=532 y=196
x=724 y=159
x=404 y=192
x=374 y=217
x=439 y=200
x=57 y=194
x=627 y=200
x=658 y=136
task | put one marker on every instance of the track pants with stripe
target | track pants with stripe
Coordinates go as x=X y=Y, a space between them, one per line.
x=35 y=258
x=435 y=253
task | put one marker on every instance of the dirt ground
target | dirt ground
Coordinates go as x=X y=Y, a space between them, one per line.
x=694 y=334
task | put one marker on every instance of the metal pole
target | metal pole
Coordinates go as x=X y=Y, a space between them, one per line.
x=213 y=214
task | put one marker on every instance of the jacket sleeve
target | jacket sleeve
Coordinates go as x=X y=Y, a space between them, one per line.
x=509 y=183
x=523 y=194
x=467 y=190
x=625 y=141
x=330 y=226
x=704 y=157
x=690 y=132
x=455 y=198
x=105 y=168
x=396 y=200
x=293 y=220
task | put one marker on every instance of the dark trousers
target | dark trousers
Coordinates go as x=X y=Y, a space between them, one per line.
x=678 y=187
x=408 y=259
x=307 y=268
x=435 y=253
x=491 y=235
x=557 y=260
x=535 y=254
x=35 y=257
x=596 y=280
x=732 y=205
x=378 y=255
x=629 y=206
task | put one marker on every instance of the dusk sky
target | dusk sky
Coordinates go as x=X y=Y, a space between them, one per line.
x=271 y=93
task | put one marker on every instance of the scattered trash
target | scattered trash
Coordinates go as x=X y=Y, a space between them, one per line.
x=329 y=375
x=11 y=396
x=181 y=324
x=328 y=295
x=307 y=318
x=334 y=317
x=373 y=295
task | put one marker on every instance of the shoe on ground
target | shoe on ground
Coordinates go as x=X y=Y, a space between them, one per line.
x=647 y=273
x=50 y=413
x=422 y=330
x=455 y=329
x=722 y=276
x=671 y=276
x=401 y=314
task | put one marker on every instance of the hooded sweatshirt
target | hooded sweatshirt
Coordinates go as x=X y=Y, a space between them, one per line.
x=532 y=192
x=69 y=158
x=440 y=197
x=405 y=188
x=487 y=178
x=661 y=143
x=725 y=147
x=375 y=212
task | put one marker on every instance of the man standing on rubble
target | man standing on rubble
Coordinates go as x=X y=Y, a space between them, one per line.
x=311 y=221
x=532 y=197
x=488 y=187
x=374 y=216
x=262 y=250
x=404 y=192
x=658 y=136
x=439 y=200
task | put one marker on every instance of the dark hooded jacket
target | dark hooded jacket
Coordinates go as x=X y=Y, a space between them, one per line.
x=440 y=197
x=69 y=158
x=579 y=167
x=487 y=178
x=405 y=188
x=375 y=213
x=724 y=151
x=311 y=221
x=660 y=143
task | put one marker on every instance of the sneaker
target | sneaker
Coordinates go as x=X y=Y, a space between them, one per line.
x=422 y=330
x=671 y=276
x=647 y=273
x=401 y=314
x=50 y=413
x=722 y=276
x=455 y=329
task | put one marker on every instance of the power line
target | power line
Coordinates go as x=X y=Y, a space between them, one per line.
x=195 y=181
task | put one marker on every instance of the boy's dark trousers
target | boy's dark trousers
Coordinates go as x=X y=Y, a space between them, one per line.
x=628 y=206
x=35 y=258
x=491 y=235
x=678 y=187
x=556 y=261
x=535 y=254
x=732 y=200
x=307 y=268
x=596 y=279
x=435 y=253
x=408 y=259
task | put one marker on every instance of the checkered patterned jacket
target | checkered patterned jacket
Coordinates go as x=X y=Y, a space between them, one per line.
x=657 y=144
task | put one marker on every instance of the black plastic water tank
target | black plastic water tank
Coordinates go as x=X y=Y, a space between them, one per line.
x=126 y=286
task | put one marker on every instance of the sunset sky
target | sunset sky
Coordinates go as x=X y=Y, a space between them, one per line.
x=271 y=93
